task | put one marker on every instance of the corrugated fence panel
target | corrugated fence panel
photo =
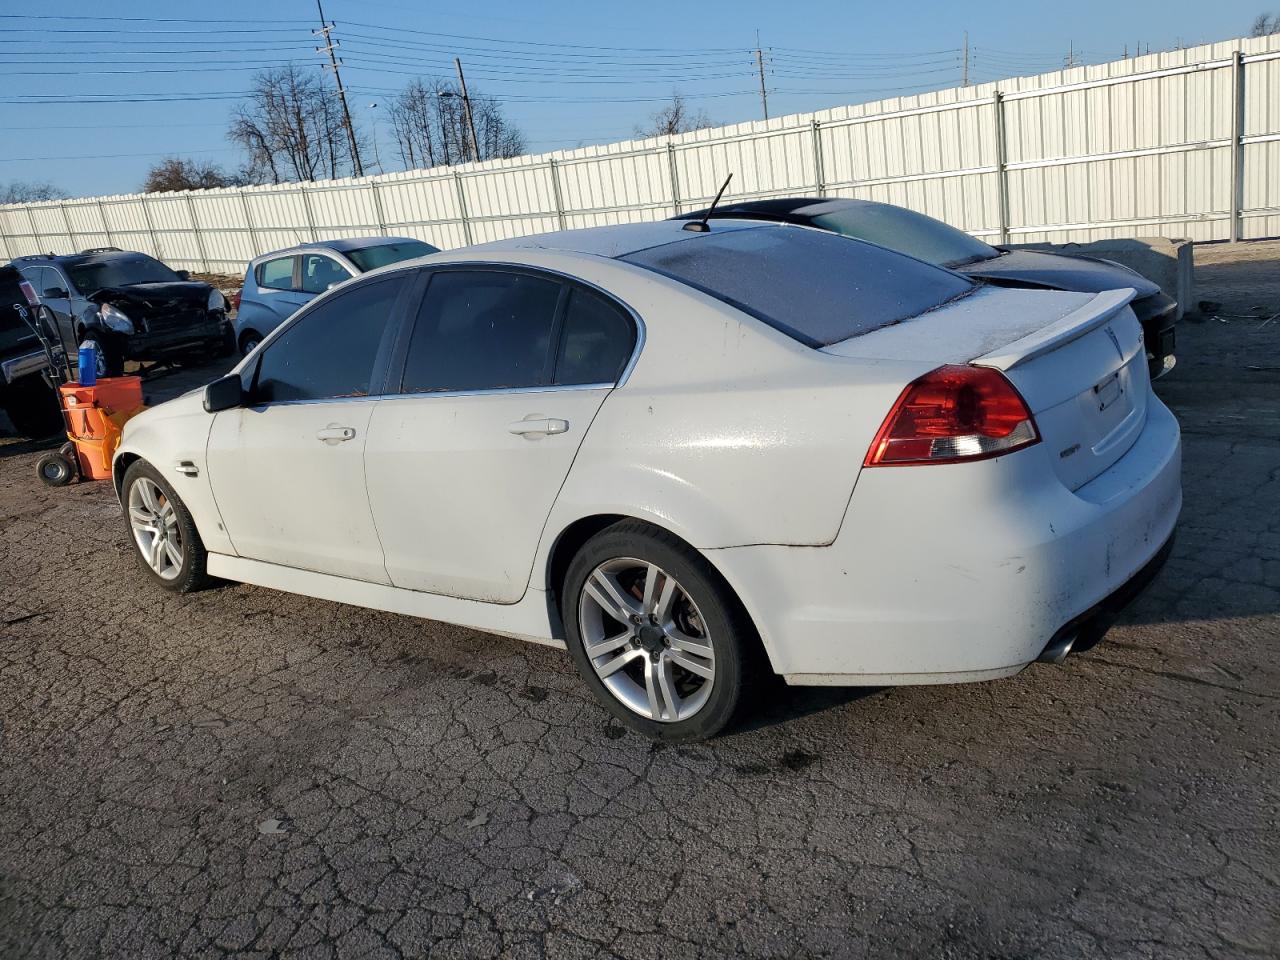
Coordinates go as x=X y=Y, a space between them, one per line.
x=1261 y=160
x=1133 y=147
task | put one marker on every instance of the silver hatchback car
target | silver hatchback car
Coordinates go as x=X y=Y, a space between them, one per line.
x=278 y=284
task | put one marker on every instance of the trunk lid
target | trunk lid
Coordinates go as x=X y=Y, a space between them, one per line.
x=1077 y=360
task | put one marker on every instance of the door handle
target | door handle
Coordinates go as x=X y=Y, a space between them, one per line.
x=535 y=427
x=334 y=434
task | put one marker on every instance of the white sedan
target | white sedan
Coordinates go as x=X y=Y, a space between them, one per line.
x=690 y=457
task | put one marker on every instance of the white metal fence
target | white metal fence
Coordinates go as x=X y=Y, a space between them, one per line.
x=1179 y=144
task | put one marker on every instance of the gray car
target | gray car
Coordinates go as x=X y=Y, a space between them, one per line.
x=936 y=242
x=278 y=284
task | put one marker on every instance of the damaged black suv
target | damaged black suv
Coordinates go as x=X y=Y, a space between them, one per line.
x=132 y=305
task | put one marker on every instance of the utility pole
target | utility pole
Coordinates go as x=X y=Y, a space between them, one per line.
x=964 y=78
x=466 y=106
x=764 y=96
x=329 y=46
x=1071 y=55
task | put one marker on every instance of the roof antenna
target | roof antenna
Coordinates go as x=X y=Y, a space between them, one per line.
x=700 y=226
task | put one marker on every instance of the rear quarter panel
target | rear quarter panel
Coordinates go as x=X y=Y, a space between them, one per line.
x=726 y=432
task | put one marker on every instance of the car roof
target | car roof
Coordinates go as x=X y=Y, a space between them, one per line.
x=75 y=259
x=793 y=209
x=343 y=244
x=618 y=240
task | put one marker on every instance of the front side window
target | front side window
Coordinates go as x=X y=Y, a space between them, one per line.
x=816 y=287
x=319 y=273
x=276 y=274
x=597 y=340
x=90 y=276
x=482 y=330
x=331 y=350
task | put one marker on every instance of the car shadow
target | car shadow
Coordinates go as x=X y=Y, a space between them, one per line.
x=779 y=703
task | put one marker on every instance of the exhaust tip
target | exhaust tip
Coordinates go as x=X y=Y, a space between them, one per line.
x=1057 y=649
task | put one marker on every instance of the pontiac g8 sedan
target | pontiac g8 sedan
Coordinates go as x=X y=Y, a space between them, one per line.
x=691 y=457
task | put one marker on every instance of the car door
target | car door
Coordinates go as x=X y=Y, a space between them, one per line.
x=280 y=290
x=503 y=372
x=287 y=469
x=55 y=294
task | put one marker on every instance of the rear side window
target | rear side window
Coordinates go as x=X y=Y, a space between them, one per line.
x=276 y=274
x=331 y=350
x=482 y=330
x=814 y=286
x=597 y=340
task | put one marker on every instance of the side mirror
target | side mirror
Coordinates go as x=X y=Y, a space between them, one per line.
x=226 y=393
x=183 y=274
x=56 y=293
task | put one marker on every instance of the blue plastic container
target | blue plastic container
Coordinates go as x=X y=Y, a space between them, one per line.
x=88 y=362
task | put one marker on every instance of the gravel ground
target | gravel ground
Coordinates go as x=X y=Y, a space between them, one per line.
x=242 y=771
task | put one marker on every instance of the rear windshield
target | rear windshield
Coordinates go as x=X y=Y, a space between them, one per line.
x=908 y=232
x=816 y=287
x=370 y=258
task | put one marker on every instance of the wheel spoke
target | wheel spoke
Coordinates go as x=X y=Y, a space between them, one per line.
x=662 y=609
x=650 y=587
x=147 y=491
x=610 y=667
x=694 y=645
x=693 y=665
x=142 y=518
x=606 y=592
x=173 y=553
x=609 y=644
x=156 y=554
x=660 y=687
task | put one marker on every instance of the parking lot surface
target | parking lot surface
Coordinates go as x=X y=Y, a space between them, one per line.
x=242 y=771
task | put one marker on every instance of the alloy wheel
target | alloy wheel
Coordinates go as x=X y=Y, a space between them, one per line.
x=646 y=639
x=155 y=528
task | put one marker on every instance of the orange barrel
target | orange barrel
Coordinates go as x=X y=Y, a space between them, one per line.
x=95 y=416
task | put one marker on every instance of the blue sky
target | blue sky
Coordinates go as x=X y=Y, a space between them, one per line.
x=568 y=73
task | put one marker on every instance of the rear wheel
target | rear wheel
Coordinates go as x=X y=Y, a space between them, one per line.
x=248 y=340
x=657 y=634
x=168 y=546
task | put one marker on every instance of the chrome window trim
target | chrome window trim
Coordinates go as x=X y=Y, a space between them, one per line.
x=386 y=272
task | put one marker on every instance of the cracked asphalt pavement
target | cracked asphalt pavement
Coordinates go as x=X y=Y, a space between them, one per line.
x=246 y=772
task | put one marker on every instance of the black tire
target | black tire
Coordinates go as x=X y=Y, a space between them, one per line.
x=248 y=340
x=110 y=352
x=191 y=575
x=33 y=408
x=227 y=346
x=55 y=470
x=738 y=657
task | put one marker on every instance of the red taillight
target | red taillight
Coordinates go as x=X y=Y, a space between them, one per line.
x=235 y=300
x=953 y=413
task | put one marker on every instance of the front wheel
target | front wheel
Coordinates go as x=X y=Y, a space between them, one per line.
x=168 y=545
x=657 y=634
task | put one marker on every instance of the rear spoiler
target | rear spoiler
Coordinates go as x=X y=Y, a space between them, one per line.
x=1101 y=308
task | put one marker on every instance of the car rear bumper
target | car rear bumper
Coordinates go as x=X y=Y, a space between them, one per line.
x=960 y=572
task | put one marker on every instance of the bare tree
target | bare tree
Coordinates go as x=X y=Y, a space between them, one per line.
x=1265 y=24
x=292 y=127
x=19 y=191
x=675 y=117
x=178 y=173
x=429 y=122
